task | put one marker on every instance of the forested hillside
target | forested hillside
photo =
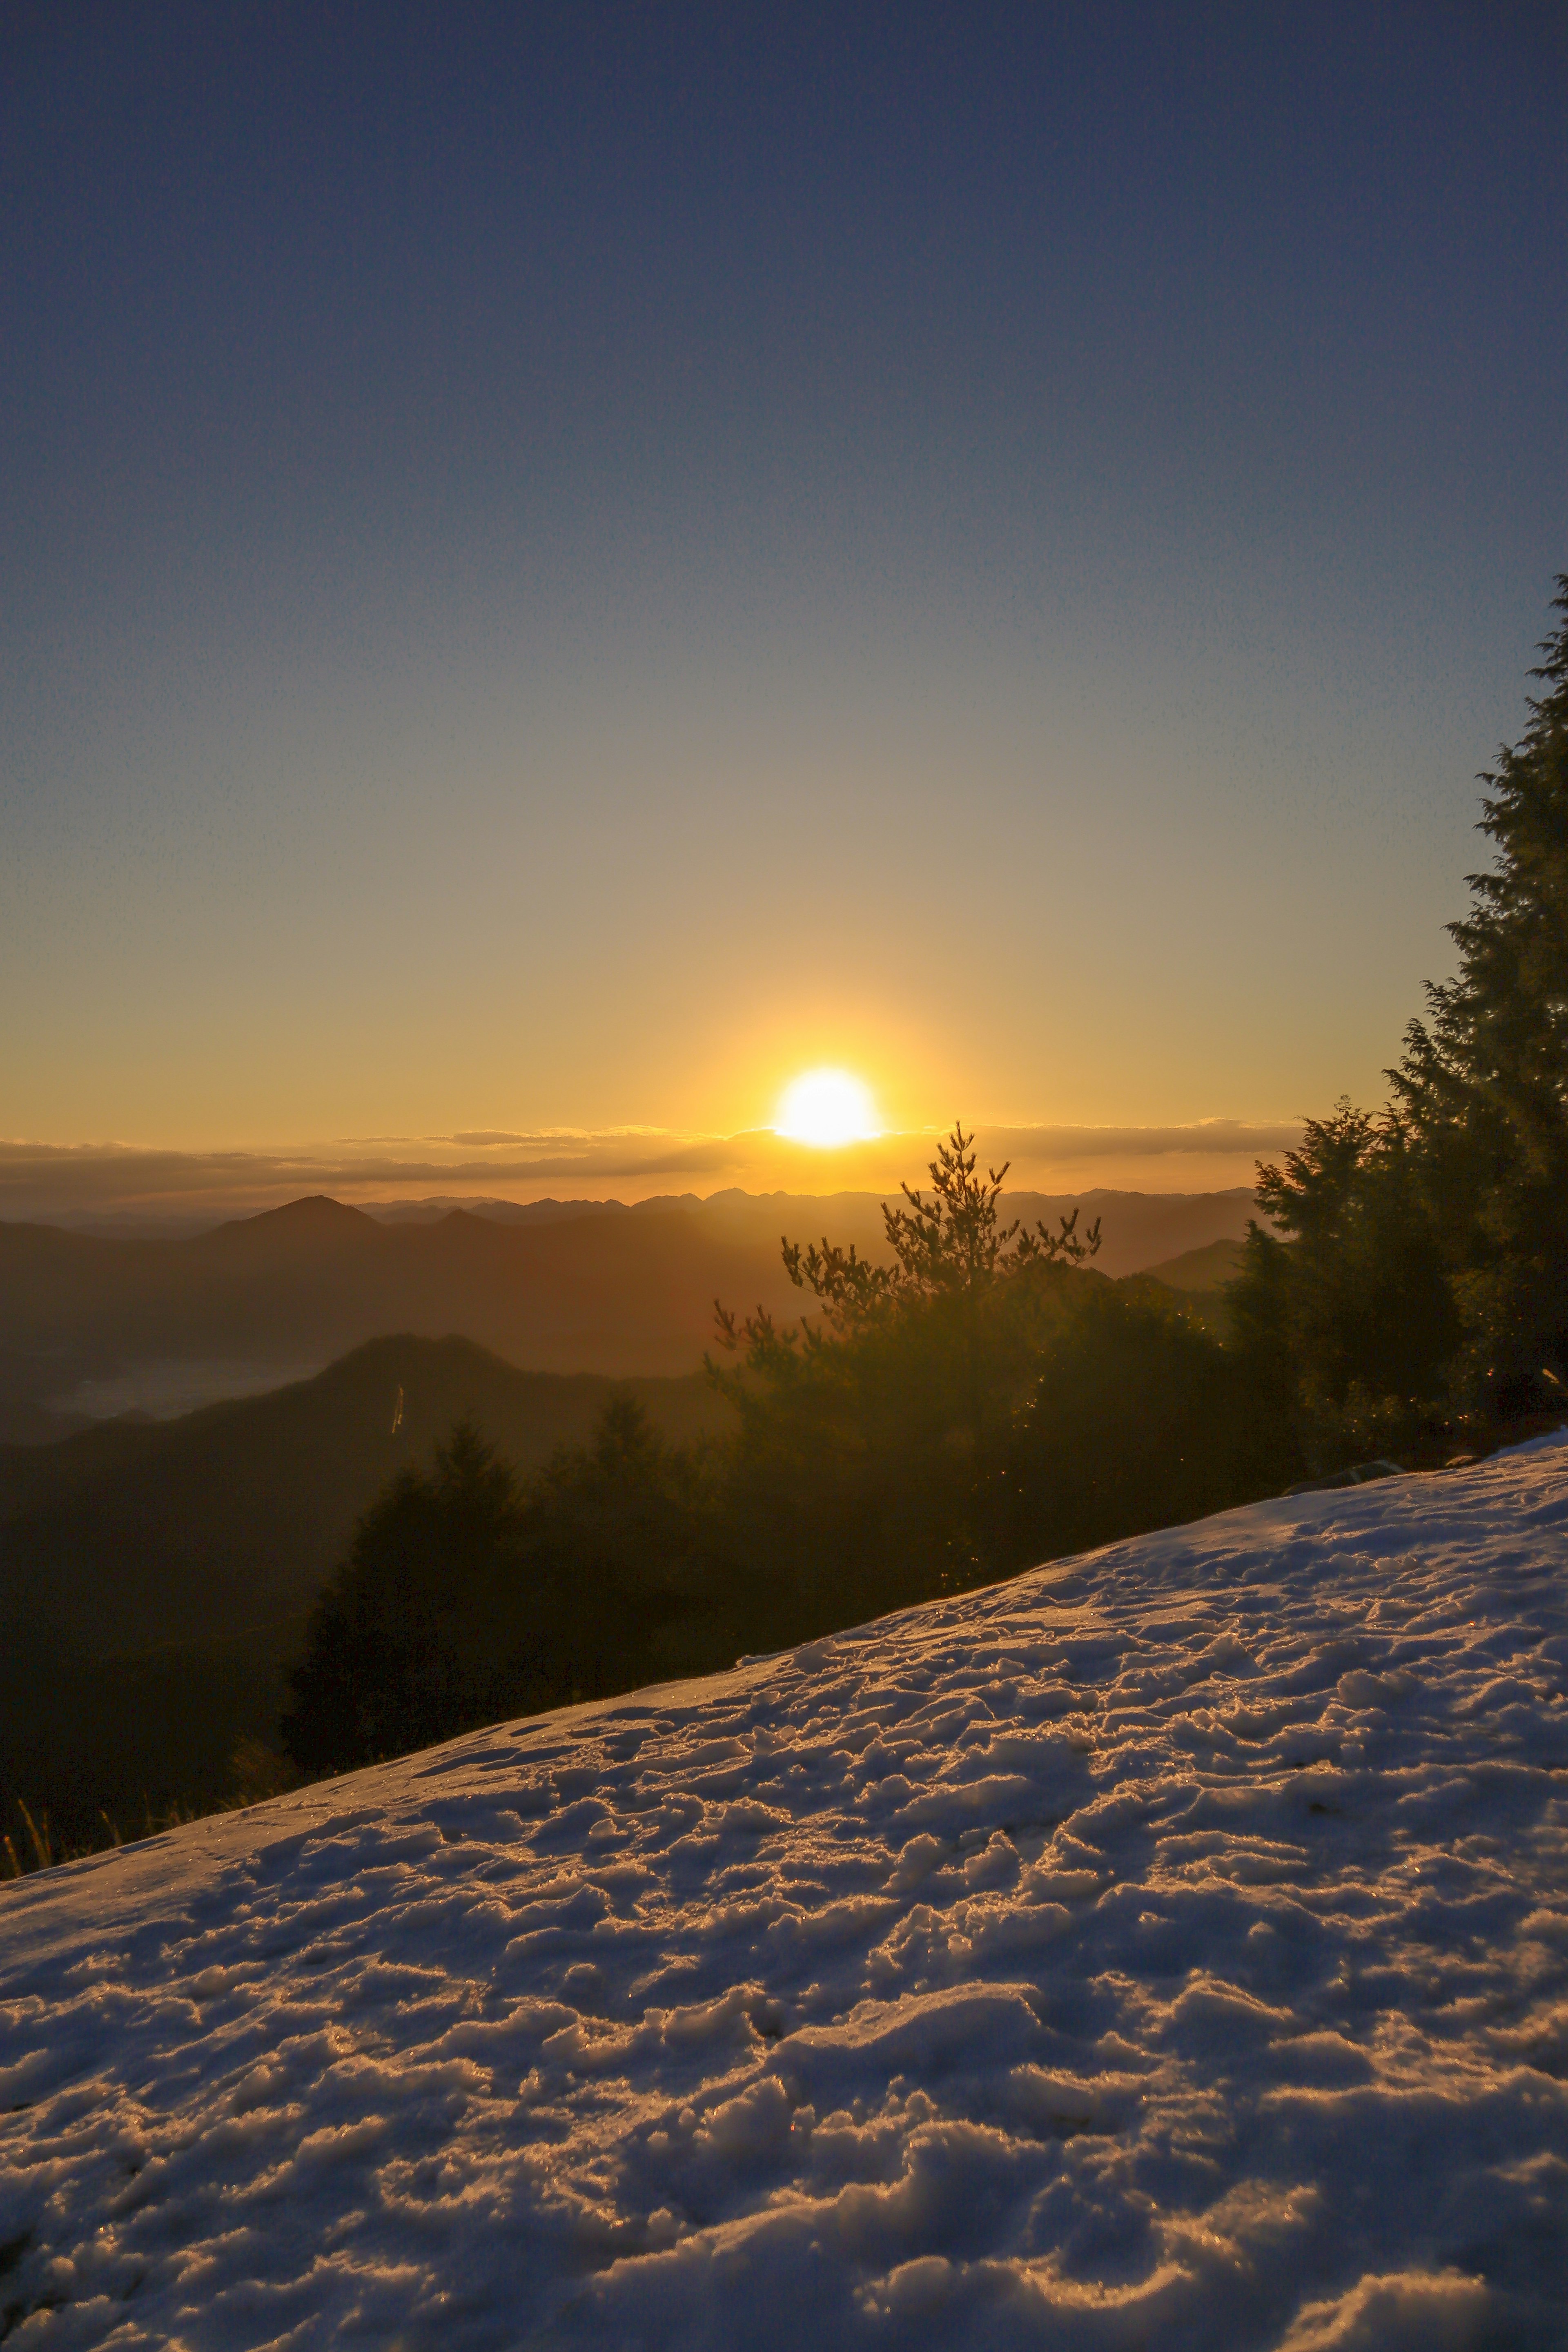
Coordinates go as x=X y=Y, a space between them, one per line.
x=155 y=1577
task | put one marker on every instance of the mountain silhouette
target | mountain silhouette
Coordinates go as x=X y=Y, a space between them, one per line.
x=623 y=1294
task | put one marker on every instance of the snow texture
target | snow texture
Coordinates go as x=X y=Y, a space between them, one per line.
x=1166 y=1948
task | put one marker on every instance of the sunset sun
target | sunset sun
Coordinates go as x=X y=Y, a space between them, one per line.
x=826 y=1106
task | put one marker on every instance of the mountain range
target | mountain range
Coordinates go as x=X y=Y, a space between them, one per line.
x=558 y=1287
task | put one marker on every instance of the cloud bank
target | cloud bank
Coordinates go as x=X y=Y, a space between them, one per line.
x=130 y=1184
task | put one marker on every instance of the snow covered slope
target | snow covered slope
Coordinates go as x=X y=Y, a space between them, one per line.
x=1164 y=1949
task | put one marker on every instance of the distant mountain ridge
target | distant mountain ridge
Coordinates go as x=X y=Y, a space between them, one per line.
x=1197 y=1271
x=565 y=1287
x=1146 y=1219
x=610 y=1295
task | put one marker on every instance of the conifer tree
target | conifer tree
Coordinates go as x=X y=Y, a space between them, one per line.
x=1483 y=1083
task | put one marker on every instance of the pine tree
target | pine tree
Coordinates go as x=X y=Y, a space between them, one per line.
x=1345 y=1312
x=1484 y=1079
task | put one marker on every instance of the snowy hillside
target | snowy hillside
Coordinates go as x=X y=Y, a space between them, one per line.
x=1167 y=1949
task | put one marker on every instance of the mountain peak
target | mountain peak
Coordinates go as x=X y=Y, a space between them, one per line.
x=310 y=1209
x=315 y=1216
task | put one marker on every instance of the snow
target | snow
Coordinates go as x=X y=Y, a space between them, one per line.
x=1166 y=1948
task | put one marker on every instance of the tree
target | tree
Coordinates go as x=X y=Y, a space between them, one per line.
x=871 y=1434
x=1419 y=1271
x=1136 y=1416
x=1483 y=1082
x=400 y=1649
x=984 y=1399
x=467 y=1596
x=1354 y=1311
x=617 y=1548
x=951 y=1247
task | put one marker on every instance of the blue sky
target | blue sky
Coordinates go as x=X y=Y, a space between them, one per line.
x=560 y=565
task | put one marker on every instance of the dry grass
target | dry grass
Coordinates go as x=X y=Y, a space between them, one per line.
x=258 y=1772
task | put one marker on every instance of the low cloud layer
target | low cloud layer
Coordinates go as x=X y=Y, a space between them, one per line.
x=127 y=1184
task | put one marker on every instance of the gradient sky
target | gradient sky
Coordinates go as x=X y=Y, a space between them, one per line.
x=559 y=564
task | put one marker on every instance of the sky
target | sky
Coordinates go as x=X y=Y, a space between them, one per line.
x=561 y=565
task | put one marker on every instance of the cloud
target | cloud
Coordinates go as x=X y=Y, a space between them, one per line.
x=113 y=1183
x=1206 y=1136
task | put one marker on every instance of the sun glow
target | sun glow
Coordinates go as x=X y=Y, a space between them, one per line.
x=826 y=1106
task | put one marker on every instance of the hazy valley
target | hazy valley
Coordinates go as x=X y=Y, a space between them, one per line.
x=91 y=1324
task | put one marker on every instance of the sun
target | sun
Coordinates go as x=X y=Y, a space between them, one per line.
x=826 y=1106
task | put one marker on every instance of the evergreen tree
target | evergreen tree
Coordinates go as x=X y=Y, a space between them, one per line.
x=618 y=1552
x=984 y=1400
x=867 y=1434
x=401 y=1649
x=1483 y=1084
x=467 y=1596
x=1348 y=1322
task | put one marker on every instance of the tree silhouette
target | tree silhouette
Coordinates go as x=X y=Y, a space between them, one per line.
x=1483 y=1081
